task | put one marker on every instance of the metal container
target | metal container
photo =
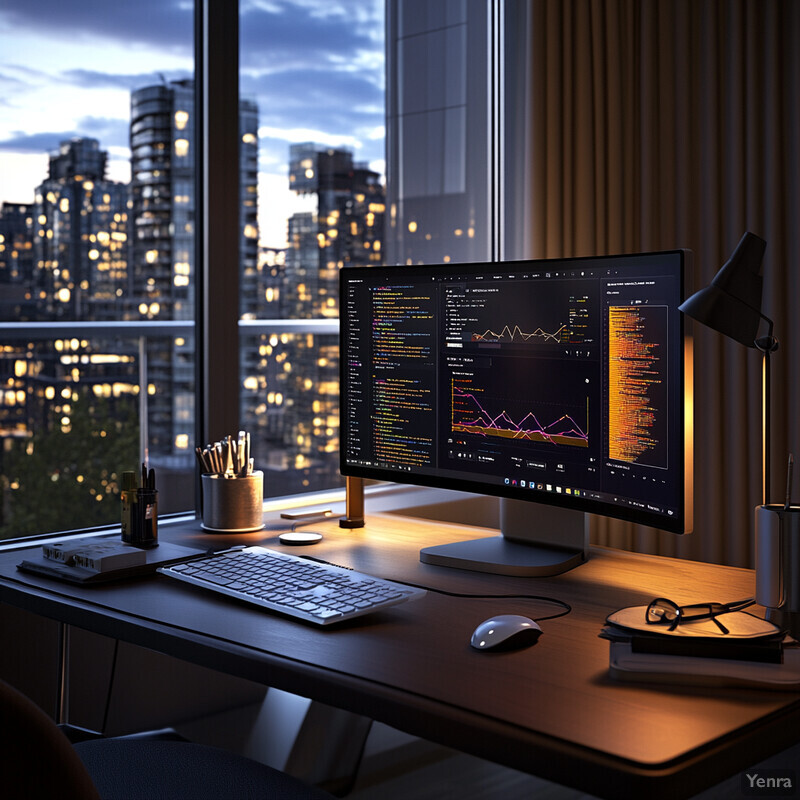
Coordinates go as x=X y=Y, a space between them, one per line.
x=233 y=504
x=778 y=564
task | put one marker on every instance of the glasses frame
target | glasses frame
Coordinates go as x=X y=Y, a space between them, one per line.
x=662 y=610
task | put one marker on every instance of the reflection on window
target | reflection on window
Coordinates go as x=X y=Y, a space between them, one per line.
x=439 y=132
x=290 y=402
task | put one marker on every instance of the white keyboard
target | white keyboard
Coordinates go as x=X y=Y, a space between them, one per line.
x=305 y=589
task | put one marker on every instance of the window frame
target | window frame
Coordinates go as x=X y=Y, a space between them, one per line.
x=217 y=223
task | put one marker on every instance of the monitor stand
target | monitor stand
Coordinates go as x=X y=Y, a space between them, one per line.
x=535 y=541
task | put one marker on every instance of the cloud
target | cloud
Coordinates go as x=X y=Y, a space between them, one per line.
x=109 y=132
x=94 y=79
x=42 y=142
x=24 y=71
x=283 y=34
x=271 y=31
x=157 y=22
x=18 y=80
x=313 y=66
x=317 y=98
x=10 y=79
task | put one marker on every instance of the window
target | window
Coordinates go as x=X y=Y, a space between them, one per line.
x=96 y=260
x=100 y=225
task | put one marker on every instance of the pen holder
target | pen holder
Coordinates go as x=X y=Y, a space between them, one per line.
x=778 y=565
x=140 y=517
x=233 y=504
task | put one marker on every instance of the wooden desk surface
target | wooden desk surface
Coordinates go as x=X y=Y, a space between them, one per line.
x=550 y=710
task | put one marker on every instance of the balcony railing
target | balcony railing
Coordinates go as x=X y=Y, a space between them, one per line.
x=142 y=368
x=37 y=331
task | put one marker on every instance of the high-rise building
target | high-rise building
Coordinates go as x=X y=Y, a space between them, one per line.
x=163 y=200
x=252 y=299
x=163 y=191
x=16 y=262
x=162 y=140
x=297 y=376
x=438 y=132
x=80 y=236
x=346 y=230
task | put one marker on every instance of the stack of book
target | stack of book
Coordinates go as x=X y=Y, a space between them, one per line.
x=754 y=652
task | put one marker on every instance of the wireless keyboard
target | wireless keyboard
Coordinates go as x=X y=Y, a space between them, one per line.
x=305 y=589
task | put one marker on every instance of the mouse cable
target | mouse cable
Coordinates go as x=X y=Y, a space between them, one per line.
x=566 y=607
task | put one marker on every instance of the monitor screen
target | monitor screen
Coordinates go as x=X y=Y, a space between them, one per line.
x=563 y=382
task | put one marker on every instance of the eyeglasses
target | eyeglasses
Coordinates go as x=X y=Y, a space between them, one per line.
x=662 y=611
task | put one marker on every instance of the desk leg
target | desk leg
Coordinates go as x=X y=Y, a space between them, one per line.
x=62 y=690
x=329 y=747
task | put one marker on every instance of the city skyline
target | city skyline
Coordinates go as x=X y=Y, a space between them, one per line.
x=314 y=68
x=91 y=249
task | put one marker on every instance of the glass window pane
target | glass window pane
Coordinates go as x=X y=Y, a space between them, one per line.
x=439 y=134
x=96 y=244
x=314 y=74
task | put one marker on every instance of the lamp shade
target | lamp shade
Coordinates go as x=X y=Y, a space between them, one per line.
x=731 y=303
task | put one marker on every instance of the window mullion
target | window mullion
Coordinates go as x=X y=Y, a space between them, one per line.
x=218 y=201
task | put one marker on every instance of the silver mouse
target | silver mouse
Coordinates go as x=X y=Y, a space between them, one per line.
x=505 y=632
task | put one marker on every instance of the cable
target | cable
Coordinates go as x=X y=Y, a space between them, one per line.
x=567 y=608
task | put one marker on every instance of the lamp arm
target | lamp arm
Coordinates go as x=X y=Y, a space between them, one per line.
x=766 y=344
x=765 y=426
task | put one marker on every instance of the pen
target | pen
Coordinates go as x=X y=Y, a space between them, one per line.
x=229 y=457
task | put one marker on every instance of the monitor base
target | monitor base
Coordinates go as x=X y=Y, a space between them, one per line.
x=500 y=556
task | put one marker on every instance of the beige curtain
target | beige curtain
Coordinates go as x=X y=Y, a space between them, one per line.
x=656 y=124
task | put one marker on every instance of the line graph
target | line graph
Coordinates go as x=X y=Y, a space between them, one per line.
x=517 y=334
x=469 y=416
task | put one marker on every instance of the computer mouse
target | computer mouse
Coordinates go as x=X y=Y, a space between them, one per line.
x=505 y=632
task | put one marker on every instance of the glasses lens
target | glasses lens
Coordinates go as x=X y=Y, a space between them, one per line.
x=703 y=611
x=662 y=610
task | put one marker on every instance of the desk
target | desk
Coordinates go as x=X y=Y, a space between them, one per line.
x=550 y=710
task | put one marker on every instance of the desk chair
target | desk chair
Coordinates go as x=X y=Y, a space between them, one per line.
x=38 y=762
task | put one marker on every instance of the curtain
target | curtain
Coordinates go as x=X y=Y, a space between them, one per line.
x=676 y=123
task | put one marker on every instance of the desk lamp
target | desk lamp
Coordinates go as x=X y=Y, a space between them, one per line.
x=731 y=305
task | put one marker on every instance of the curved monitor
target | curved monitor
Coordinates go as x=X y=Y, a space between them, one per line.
x=564 y=382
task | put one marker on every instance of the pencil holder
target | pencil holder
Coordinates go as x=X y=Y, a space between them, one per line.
x=233 y=504
x=139 y=513
x=778 y=564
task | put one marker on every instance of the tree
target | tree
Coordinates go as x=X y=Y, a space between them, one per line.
x=68 y=476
